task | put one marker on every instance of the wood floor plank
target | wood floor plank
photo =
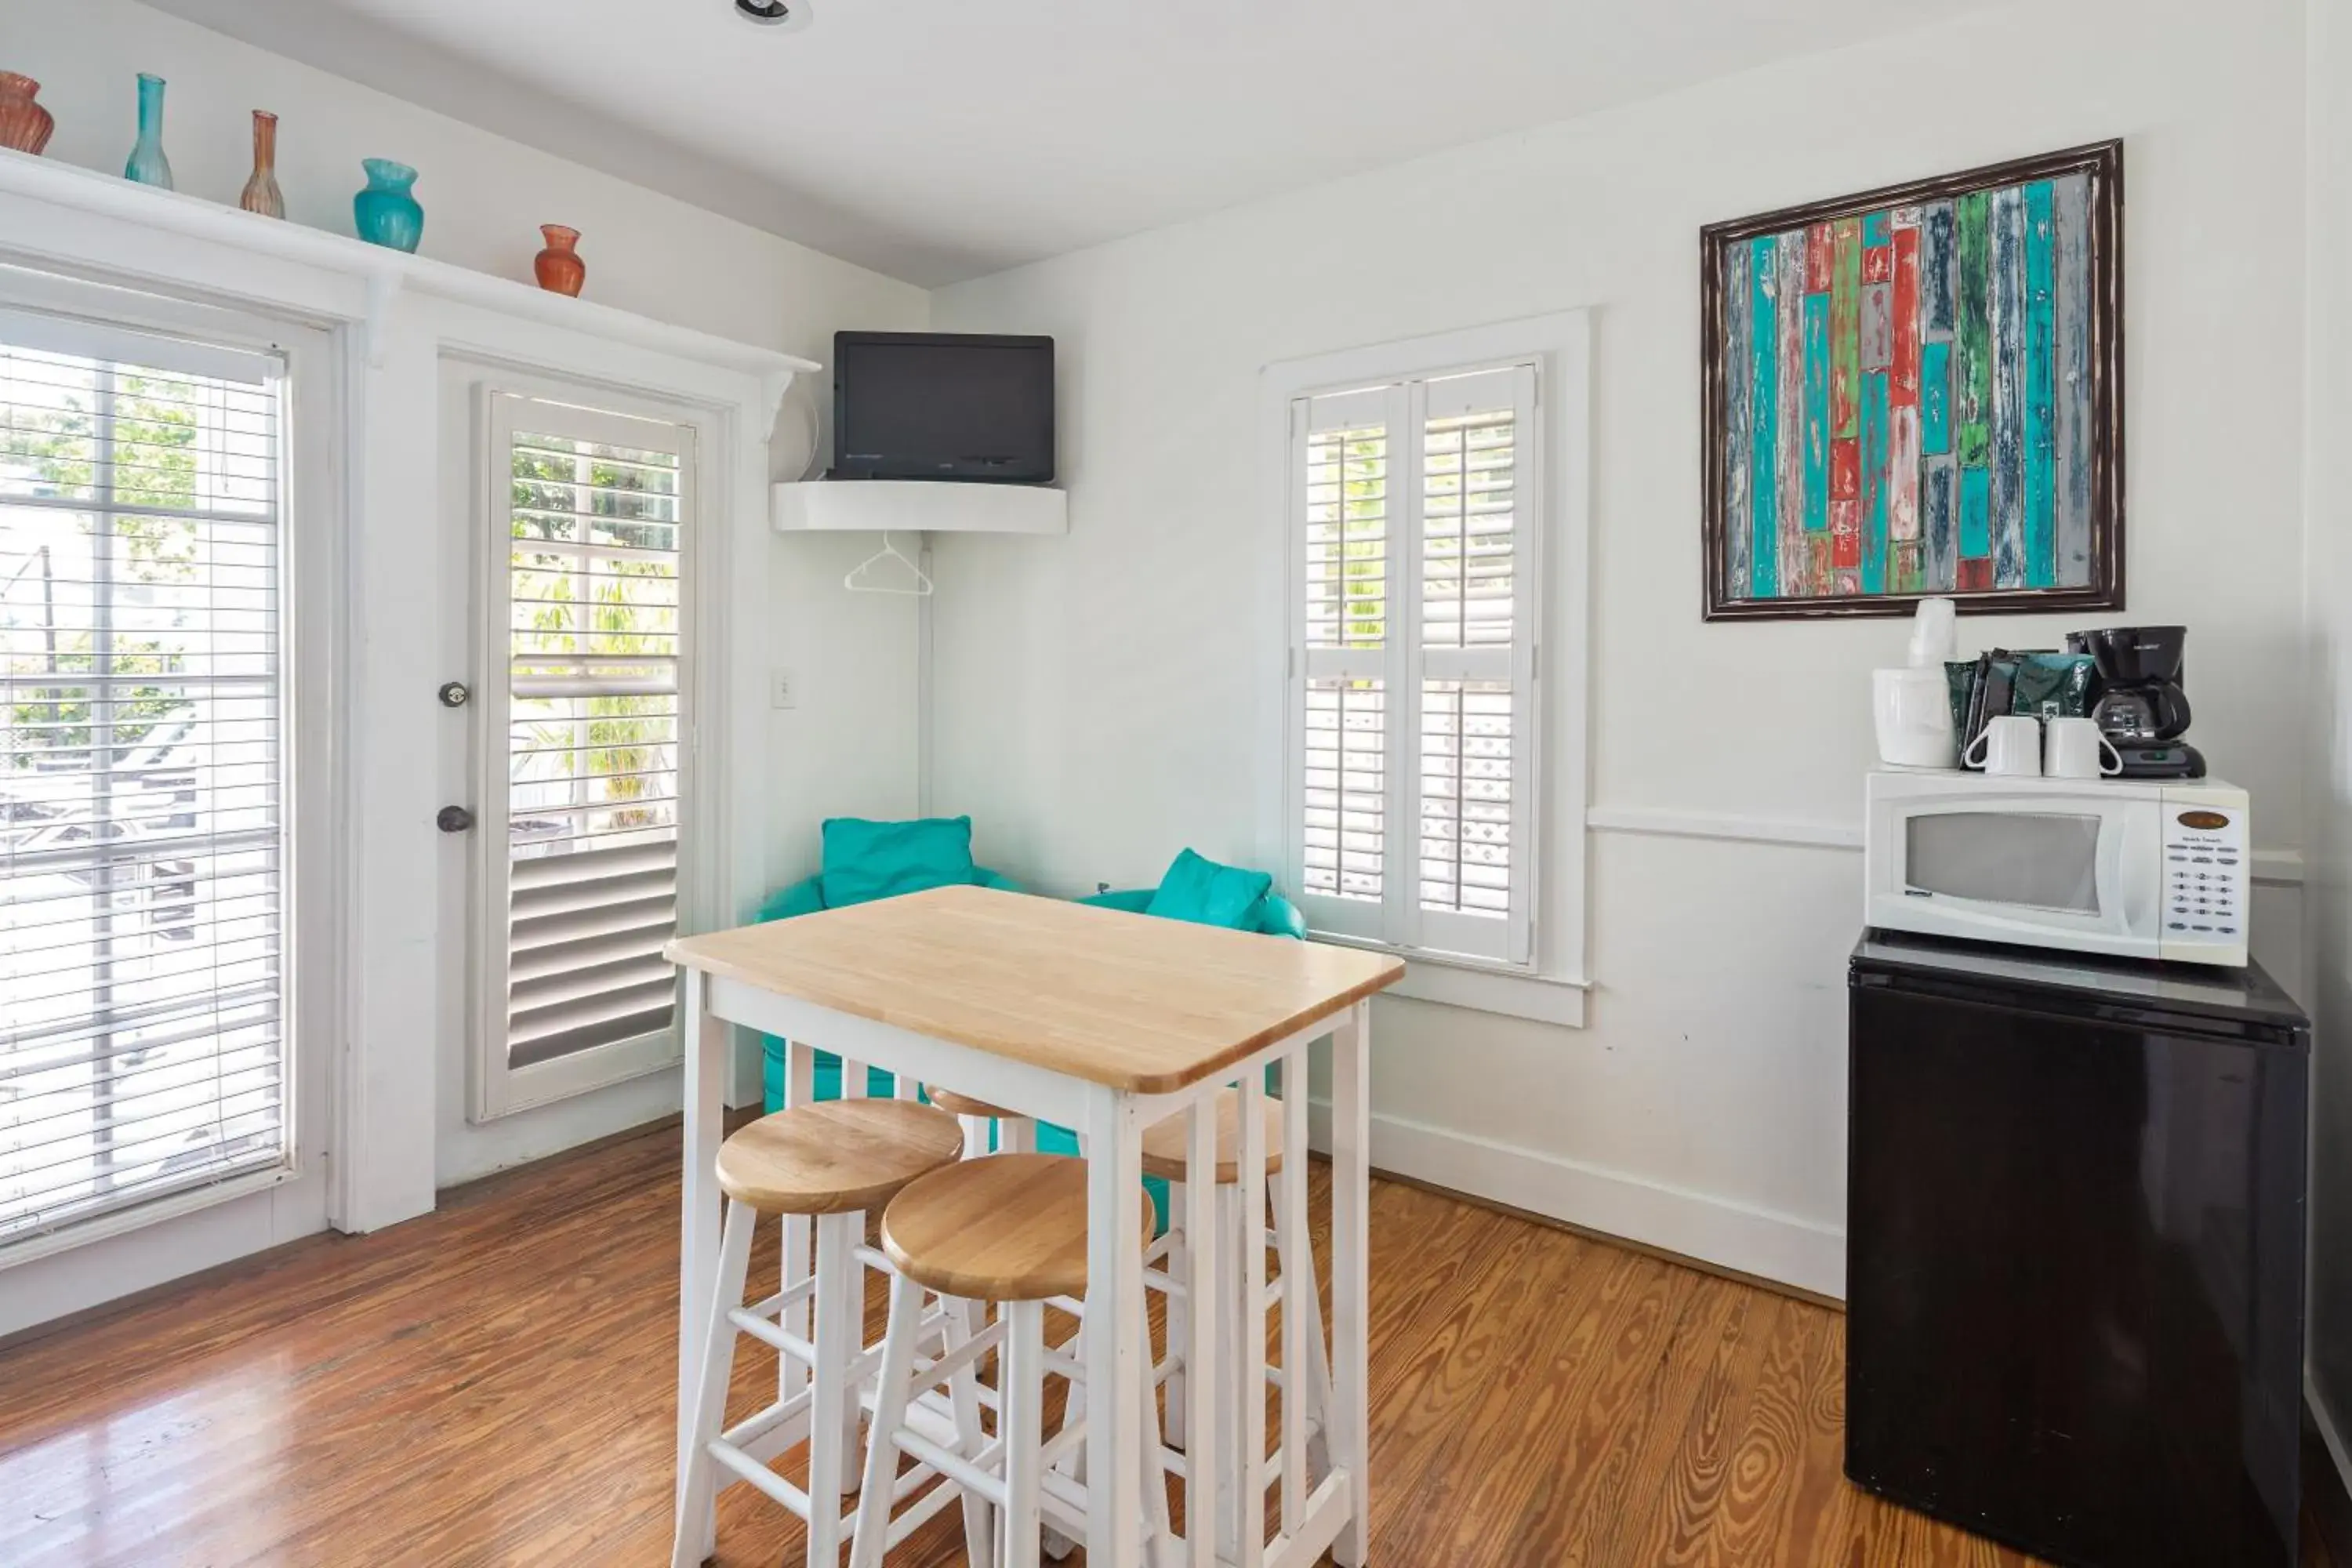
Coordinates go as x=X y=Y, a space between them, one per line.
x=1435 y=1499
x=1585 y=1389
x=491 y=1384
x=1687 y=1479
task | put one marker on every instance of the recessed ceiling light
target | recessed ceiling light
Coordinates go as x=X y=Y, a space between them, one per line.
x=788 y=14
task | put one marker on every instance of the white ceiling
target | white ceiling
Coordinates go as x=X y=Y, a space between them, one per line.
x=938 y=140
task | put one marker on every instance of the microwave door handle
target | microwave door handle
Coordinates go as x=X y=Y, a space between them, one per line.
x=2135 y=880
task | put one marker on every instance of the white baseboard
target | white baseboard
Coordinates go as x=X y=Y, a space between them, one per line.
x=1737 y=1237
x=2331 y=1432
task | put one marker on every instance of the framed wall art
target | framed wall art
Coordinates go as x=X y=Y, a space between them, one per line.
x=1919 y=391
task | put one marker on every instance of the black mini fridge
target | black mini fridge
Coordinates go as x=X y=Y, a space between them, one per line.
x=2075 y=1254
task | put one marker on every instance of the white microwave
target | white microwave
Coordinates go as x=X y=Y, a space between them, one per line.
x=2135 y=868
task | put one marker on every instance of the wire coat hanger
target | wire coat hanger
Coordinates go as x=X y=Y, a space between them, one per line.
x=919 y=587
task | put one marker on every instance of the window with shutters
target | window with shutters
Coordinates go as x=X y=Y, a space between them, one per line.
x=146 y=932
x=1416 y=525
x=586 y=733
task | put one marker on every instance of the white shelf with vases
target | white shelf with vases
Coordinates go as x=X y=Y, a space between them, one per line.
x=387 y=273
x=917 y=506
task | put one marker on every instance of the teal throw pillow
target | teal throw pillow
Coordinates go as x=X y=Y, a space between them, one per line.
x=869 y=860
x=1197 y=888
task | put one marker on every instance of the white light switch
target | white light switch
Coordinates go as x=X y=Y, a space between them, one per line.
x=784 y=690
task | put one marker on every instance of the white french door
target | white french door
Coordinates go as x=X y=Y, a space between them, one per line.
x=582 y=742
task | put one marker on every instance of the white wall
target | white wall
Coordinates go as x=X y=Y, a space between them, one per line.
x=2327 y=587
x=850 y=745
x=1097 y=697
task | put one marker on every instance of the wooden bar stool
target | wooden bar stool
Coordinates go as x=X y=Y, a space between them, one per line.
x=1010 y=1229
x=1017 y=1133
x=1240 y=1324
x=1163 y=1156
x=828 y=1162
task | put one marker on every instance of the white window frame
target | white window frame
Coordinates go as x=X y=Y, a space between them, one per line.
x=115 y=318
x=497 y=1089
x=1548 y=980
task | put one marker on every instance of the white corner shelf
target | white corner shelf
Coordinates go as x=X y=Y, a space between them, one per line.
x=917 y=506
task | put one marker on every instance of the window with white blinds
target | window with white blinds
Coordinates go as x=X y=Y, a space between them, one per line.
x=1415 y=520
x=587 y=732
x=145 y=947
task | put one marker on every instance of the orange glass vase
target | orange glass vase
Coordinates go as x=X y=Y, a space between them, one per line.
x=559 y=267
x=25 y=125
x=261 y=193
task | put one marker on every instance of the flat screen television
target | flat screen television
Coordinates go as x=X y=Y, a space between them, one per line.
x=942 y=405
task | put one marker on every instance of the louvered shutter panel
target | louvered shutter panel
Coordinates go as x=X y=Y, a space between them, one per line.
x=1342 y=462
x=1474 y=655
x=145 y=937
x=584 y=884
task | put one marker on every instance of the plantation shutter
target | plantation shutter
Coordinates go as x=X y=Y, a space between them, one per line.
x=1341 y=457
x=144 y=935
x=582 y=830
x=1474 y=680
x=1414 y=674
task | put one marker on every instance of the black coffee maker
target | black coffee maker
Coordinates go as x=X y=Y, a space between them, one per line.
x=2138 y=701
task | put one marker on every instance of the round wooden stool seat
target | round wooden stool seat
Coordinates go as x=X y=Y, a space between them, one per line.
x=837 y=1156
x=1004 y=1228
x=956 y=1104
x=1164 y=1143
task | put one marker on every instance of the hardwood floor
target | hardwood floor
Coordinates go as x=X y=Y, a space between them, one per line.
x=493 y=1384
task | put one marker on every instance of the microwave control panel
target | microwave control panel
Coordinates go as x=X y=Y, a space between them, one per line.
x=2208 y=874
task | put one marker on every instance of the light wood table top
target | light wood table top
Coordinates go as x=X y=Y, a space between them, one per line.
x=1138 y=1004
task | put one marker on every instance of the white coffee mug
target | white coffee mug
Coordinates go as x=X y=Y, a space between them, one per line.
x=2010 y=744
x=1913 y=712
x=2077 y=749
x=1934 y=634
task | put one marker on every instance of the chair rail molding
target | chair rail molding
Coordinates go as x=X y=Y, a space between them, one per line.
x=2282 y=867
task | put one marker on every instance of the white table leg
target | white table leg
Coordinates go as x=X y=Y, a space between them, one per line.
x=705 y=1082
x=1202 y=1314
x=1249 y=1229
x=1351 y=1181
x=833 y=1408
x=1298 y=1316
x=1114 y=1318
x=800 y=1231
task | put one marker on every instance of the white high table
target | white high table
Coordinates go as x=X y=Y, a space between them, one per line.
x=1107 y=1023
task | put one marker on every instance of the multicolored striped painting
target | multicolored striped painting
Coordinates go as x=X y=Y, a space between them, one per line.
x=1919 y=391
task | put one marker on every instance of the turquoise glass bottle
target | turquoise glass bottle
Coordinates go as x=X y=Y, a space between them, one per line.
x=148 y=165
x=386 y=213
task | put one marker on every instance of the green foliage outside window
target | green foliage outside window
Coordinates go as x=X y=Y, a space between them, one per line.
x=631 y=611
x=154 y=434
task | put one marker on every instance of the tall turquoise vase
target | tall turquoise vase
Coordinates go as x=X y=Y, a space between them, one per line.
x=386 y=213
x=148 y=165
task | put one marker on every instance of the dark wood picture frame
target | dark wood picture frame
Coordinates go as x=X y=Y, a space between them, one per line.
x=2103 y=162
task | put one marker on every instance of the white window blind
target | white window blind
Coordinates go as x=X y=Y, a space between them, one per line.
x=1413 y=703
x=145 y=948
x=590 y=728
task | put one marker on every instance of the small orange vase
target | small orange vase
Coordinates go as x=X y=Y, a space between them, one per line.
x=261 y=193
x=559 y=267
x=25 y=125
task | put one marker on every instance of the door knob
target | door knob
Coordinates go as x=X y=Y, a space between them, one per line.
x=453 y=819
x=453 y=694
